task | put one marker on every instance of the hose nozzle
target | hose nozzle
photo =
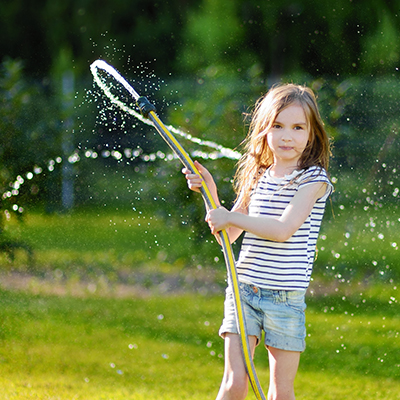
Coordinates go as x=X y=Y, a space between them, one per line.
x=145 y=106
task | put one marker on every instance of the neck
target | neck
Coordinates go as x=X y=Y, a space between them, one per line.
x=280 y=171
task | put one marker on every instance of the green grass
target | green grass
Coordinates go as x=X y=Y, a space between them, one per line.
x=359 y=241
x=114 y=245
x=167 y=347
x=106 y=348
x=108 y=247
x=91 y=343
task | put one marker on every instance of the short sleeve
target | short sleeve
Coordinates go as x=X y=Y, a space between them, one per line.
x=317 y=175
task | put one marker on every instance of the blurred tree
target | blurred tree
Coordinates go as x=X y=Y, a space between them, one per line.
x=381 y=47
x=234 y=48
x=35 y=30
x=28 y=134
x=27 y=138
x=277 y=36
x=285 y=37
x=214 y=36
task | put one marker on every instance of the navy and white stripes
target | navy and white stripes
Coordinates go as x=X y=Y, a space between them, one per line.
x=282 y=265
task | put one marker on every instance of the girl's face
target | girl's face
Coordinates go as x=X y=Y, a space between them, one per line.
x=288 y=136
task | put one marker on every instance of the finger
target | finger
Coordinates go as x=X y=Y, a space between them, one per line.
x=186 y=171
x=198 y=165
x=194 y=184
x=193 y=176
x=197 y=181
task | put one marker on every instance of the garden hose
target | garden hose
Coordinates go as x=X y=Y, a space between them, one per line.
x=149 y=111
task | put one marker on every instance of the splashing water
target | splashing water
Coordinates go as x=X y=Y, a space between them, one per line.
x=128 y=154
x=115 y=99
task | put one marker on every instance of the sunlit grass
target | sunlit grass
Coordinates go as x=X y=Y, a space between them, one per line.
x=357 y=243
x=90 y=344
x=122 y=349
x=111 y=245
x=167 y=347
x=360 y=241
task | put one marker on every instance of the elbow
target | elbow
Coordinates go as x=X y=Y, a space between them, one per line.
x=283 y=232
x=282 y=236
x=275 y=237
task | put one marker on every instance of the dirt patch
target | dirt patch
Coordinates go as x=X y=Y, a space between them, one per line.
x=144 y=283
x=141 y=284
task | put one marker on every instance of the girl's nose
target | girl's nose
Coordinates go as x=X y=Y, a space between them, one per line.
x=286 y=137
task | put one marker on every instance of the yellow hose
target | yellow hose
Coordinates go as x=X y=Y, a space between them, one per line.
x=228 y=254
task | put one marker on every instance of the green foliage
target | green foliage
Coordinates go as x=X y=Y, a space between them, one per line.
x=145 y=30
x=282 y=37
x=381 y=47
x=27 y=137
x=213 y=36
x=278 y=37
x=232 y=54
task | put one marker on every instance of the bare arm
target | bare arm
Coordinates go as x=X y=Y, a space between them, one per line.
x=276 y=229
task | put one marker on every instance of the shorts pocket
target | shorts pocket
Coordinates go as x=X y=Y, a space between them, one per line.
x=296 y=300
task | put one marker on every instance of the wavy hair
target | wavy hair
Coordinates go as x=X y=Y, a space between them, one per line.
x=258 y=156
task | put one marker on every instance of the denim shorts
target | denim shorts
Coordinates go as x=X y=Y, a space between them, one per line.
x=279 y=313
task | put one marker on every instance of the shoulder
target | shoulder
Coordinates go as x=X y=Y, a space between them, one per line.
x=312 y=175
x=316 y=175
x=314 y=172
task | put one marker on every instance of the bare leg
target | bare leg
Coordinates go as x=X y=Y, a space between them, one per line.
x=283 y=367
x=234 y=384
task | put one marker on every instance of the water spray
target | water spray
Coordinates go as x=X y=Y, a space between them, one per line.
x=100 y=64
x=148 y=112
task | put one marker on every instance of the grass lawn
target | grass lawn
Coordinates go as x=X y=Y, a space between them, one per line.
x=110 y=246
x=72 y=332
x=94 y=347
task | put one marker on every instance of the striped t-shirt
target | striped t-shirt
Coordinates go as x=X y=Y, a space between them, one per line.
x=282 y=265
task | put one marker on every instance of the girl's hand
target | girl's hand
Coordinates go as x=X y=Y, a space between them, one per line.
x=195 y=181
x=218 y=219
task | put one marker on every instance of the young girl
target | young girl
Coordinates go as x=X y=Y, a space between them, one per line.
x=282 y=187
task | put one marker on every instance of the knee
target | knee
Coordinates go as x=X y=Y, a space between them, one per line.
x=236 y=388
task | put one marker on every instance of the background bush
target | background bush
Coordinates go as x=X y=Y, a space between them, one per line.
x=203 y=65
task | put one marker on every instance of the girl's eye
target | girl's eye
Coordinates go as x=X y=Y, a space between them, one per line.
x=298 y=128
x=276 y=126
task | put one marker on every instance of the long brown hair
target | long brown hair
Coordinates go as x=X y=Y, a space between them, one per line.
x=258 y=156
